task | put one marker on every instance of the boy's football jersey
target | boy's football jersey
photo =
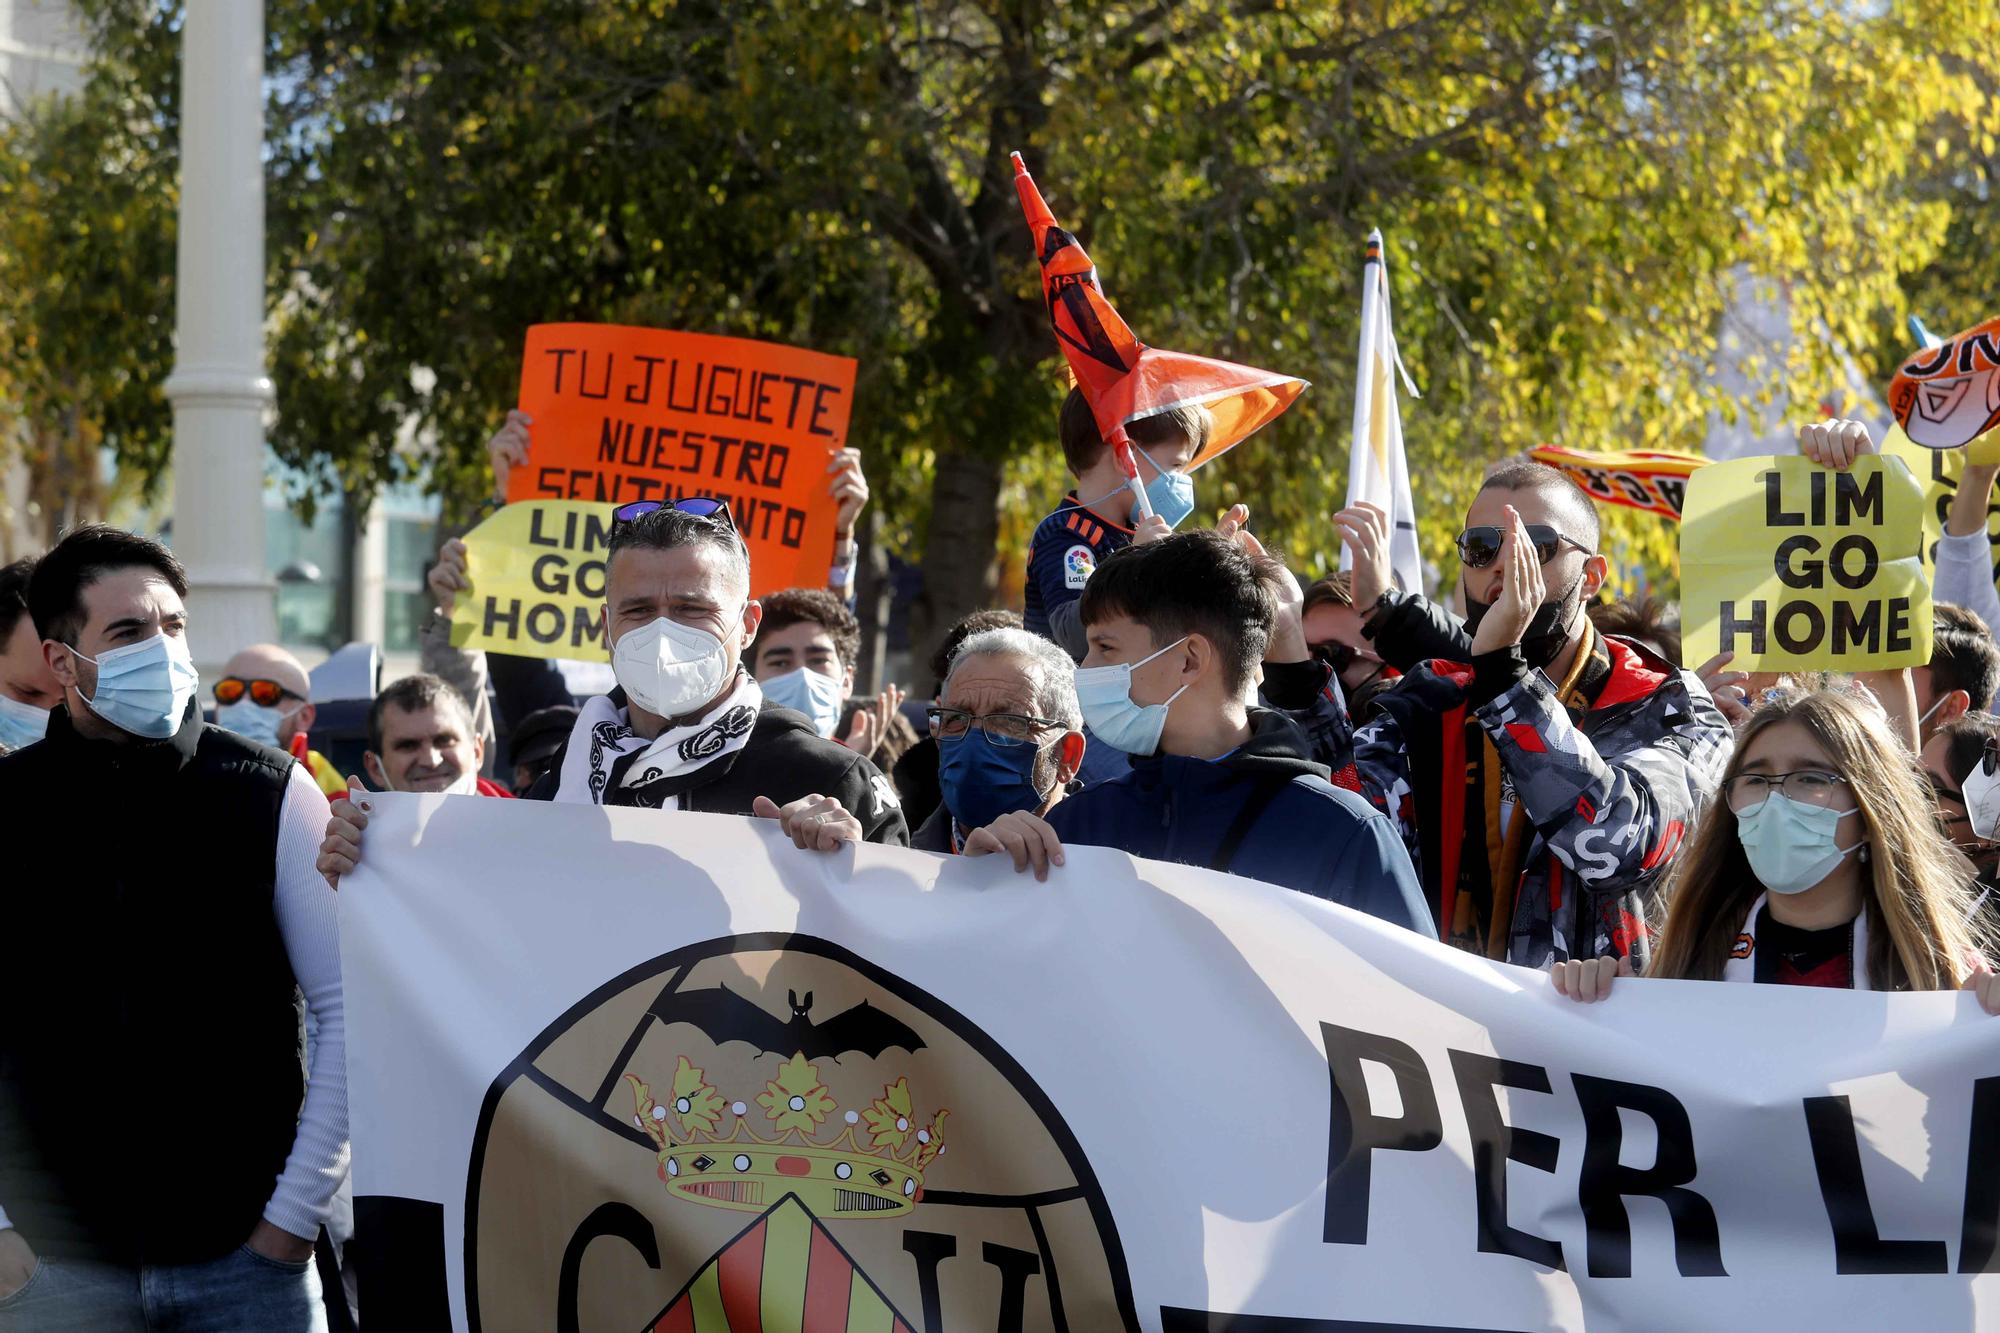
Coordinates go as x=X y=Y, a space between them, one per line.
x=1065 y=551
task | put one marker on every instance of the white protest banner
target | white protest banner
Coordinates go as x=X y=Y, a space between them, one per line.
x=621 y=1069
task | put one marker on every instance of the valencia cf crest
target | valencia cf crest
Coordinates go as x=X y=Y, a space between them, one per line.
x=765 y=1133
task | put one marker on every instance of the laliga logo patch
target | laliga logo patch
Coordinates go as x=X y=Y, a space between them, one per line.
x=1078 y=565
x=767 y=1132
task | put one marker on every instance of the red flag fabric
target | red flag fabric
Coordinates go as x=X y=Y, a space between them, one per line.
x=1122 y=378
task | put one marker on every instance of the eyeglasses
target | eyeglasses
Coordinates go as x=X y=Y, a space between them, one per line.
x=1811 y=786
x=263 y=693
x=1003 y=729
x=1480 y=547
x=694 y=506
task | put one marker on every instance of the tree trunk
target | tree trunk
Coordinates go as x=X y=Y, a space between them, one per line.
x=959 y=553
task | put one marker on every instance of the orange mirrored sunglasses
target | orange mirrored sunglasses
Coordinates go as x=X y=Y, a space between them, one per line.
x=263 y=693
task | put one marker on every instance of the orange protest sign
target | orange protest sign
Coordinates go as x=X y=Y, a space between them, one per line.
x=623 y=414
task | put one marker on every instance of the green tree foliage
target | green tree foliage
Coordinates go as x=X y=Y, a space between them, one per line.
x=1569 y=192
x=87 y=200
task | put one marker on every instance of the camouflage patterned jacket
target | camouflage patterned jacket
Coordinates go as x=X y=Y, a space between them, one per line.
x=1610 y=789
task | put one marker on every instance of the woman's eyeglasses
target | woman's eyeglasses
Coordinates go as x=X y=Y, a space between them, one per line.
x=1480 y=547
x=1809 y=786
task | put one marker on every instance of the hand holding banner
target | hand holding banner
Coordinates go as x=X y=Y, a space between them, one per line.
x=625 y=414
x=1791 y=566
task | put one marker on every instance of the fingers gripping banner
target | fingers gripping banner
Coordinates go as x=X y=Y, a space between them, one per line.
x=630 y=1070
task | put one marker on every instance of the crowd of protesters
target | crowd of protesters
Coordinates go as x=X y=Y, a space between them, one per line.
x=1537 y=778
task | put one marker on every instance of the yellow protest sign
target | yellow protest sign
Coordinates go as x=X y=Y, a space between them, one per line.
x=1792 y=566
x=537 y=575
x=1938 y=471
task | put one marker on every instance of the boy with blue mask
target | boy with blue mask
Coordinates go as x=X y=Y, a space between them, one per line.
x=1095 y=520
x=1177 y=629
x=803 y=656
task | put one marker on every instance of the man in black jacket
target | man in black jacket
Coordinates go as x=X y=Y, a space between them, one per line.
x=162 y=917
x=687 y=728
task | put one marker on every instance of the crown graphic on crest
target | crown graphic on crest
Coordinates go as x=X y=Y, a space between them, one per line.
x=873 y=1166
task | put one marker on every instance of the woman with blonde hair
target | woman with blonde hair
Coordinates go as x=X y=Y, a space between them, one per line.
x=1820 y=863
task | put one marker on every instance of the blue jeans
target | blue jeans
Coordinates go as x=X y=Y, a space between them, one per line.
x=242 y=1292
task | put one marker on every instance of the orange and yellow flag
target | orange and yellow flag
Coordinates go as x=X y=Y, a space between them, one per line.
x=1122 y=378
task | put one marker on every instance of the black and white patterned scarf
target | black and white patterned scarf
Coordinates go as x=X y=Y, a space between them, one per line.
x=603 y=748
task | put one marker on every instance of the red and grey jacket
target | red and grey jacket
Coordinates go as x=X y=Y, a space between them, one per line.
x=1610 y=789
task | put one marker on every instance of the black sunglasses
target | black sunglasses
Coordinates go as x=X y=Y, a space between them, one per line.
x=1480 y=547
x=695 y=506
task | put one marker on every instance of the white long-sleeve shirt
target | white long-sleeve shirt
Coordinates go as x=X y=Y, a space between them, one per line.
x=1964 y=576
x=308 y=922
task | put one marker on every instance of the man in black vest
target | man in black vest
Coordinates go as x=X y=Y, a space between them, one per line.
x=164 y=1160
x=688 y=728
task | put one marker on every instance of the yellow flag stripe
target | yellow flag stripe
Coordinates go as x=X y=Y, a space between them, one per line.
x=787 y=1250
x=705 y=1299
x=865 y=1311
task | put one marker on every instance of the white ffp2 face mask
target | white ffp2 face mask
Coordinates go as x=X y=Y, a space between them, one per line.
x=669 y=669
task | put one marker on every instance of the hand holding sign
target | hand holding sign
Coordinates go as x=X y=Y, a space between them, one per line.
x=1835 y=443
x=448 y=577
x=508 y=450
x=1793 y=567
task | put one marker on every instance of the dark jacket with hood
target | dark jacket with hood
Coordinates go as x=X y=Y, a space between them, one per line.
x=1265 y=812
x=785 y=759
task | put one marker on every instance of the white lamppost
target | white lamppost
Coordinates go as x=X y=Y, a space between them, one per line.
x=219 y=389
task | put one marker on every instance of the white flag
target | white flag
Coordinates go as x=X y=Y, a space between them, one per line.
x=1377 y=471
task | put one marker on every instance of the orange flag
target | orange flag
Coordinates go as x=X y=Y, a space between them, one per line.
x=1948 y=395
x=1122 y=378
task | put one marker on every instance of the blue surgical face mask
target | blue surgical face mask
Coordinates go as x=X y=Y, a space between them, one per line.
x=1790 y=843
x=144 y=688
x=1111 y=713
x=982 y=780
x=814 y=693
x=1171 y=494
x=21 y=724
x=254 y=722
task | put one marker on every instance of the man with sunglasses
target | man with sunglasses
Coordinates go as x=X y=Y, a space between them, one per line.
x=264 y=696
x=687 y=728
x=1544 y=776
